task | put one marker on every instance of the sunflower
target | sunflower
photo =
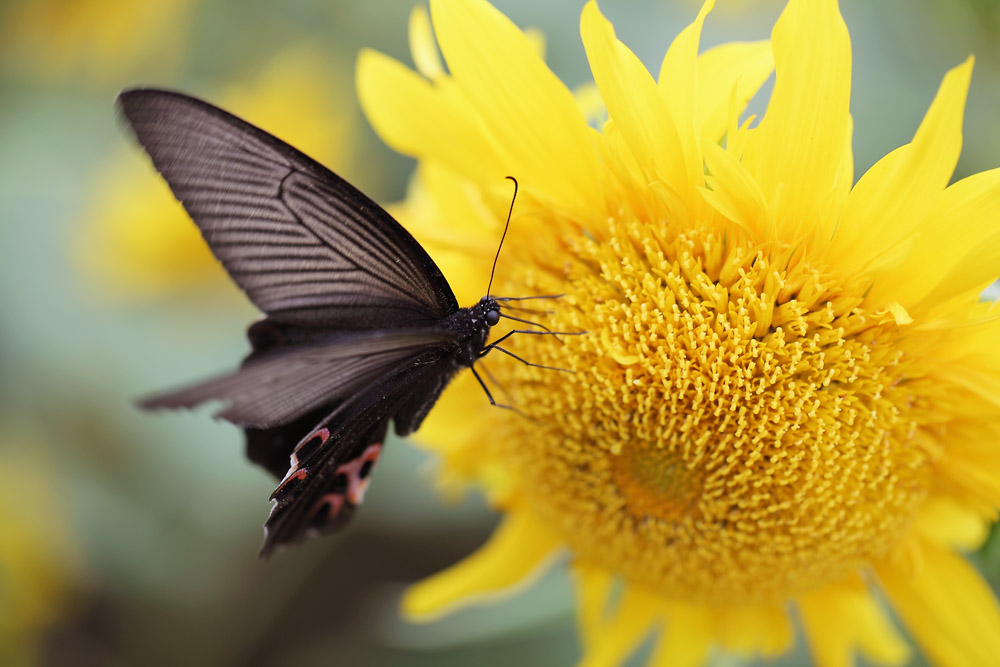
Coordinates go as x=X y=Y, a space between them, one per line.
x=785 y=411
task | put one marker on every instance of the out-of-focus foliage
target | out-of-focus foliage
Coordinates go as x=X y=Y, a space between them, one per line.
x=129 y=538
x=38 y=566
x=60 y=40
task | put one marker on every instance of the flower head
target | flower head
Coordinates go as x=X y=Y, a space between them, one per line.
x=788 y=394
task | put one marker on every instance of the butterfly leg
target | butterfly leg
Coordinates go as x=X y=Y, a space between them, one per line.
x=525 y=362
x=492 y=378
x=532 y=332
x=482 y=352
x=489 y=395
x=495 y=345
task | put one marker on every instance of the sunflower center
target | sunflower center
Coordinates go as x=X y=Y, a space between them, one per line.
x=736 y=429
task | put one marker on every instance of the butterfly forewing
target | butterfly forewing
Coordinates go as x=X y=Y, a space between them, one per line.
x=306 y=246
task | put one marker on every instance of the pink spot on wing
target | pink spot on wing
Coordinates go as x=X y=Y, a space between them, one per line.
x=323 y=434
x=292 y=476
x=334 y=501
x=356 y=485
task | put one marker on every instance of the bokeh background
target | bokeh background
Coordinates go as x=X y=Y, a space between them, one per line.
x=130 y=538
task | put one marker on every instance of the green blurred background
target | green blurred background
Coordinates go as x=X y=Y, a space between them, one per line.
x=131 y=539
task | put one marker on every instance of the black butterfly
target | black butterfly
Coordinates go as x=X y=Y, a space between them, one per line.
x=361 y=326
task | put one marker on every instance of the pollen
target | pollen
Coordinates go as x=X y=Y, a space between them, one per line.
x=736 y=428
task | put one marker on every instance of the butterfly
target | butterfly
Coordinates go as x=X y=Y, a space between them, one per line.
x=360 y=327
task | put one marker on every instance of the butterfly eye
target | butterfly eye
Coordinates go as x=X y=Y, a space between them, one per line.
x=492 y=317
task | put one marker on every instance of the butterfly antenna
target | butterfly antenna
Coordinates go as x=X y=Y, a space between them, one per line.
x=494 y=269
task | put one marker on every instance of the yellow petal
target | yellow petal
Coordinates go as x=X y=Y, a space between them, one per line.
x=974 y=487
x=535 y=125
x=974 y=272
x=950 y=611
x=764 y=630
x=423 y=48
x=844 y=180
x=982 y=383
x=744 y=66
x=593 y=587
x=416 y=118
x=621 y=633
x=959 y=246
x=950 y=524
x=443 y=431
x=537 y=40
x=733 y=191
x=686 y=640
x=449 y=217
x=899 y=313
x=882 y=211
x=518 y=551
x=458 y=431
x=634 y=103
x=971 y=474
x=840 y=620
x=678 y=84
x=800 y=141
x=588 y=97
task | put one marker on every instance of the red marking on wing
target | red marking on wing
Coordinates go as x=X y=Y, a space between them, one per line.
x=323 y=434
x=335 y=502
x=356 y=485
x=292 y=476
x=327 y=507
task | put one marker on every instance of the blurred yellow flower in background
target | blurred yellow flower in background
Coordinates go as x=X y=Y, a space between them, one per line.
x=787 y=402
x=100 y=40
x=37 y=559
x=138 y=241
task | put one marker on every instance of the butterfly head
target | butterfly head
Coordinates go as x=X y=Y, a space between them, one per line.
x=490 y=310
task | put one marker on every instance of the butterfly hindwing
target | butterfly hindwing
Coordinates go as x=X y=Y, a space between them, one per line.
x=285 y=383
x=329 y=469
x=321 y=491
x=308 y=248
x=271 y=448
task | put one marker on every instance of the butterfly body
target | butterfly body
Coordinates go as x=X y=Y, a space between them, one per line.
x=361 y=329
x=472 y=327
